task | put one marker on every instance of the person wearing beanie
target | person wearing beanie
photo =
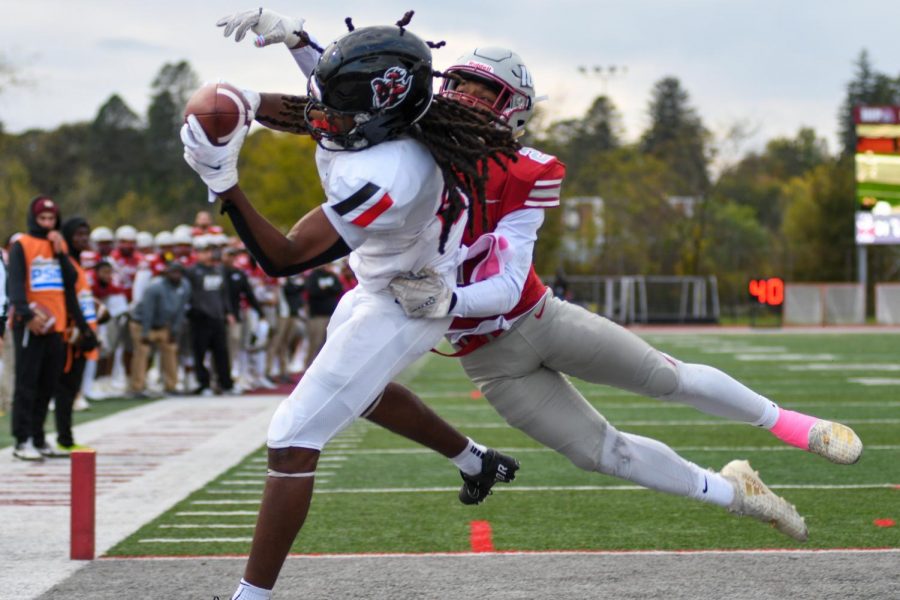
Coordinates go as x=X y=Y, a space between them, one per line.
x=41 y=293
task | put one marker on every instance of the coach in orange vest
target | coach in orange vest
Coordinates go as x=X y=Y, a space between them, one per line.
x=41 y=285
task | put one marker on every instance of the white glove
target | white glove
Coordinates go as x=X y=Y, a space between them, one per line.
x=423 y=295
x=253 y=99
x=269 y=27
x=216 y=165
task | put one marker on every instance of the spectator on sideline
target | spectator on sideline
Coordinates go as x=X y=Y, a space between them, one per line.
x=288 y=329
x=157 y=321
x=113 y=298
x=209 y=313
x=41 y=290
x=323 y=291
x=203 y=224
x=5 y=394
x=346 y=275
x=561 y=285
x=103 y=241
x=183 y=245
x=241 y=298
x=81 y=337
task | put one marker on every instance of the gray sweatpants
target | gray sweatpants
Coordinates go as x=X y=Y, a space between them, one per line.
x=523 y=375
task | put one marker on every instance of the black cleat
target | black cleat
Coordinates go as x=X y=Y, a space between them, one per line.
x=495 y=467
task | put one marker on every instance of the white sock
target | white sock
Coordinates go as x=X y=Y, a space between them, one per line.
x=715 y=489
x=469 y=460
x=714 y=392
x=248 y=591
x=770 y=416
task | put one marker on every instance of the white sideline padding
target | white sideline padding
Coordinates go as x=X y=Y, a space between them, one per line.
x=887 y=303
x=824 y=304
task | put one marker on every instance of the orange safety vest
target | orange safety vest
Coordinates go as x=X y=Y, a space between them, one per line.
x=44 y=278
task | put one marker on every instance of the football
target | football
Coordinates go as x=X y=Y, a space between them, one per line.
x=44 y=316
x=221 y=110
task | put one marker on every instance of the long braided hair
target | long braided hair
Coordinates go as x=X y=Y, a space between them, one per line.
x=460 y=138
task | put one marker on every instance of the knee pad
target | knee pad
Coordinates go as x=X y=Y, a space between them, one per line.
x=660 y=374
x=616 y=456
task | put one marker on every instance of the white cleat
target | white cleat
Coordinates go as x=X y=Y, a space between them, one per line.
x=753 y=499
x=838 y=443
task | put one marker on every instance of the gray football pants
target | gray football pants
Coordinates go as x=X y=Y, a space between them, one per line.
x=521 y=374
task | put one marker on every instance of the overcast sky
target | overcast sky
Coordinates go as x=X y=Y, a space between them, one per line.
x=773 y=65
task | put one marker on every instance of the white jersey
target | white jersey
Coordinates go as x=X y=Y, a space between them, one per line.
x=383 y=201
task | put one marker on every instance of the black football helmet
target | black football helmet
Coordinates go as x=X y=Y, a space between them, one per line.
x=381 y=76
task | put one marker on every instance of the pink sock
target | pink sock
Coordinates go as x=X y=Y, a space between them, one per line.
x=793 y=428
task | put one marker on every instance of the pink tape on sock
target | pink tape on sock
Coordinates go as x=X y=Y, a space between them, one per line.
x=793 y=428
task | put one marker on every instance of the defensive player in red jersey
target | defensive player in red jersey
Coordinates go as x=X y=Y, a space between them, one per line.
x=517 y=342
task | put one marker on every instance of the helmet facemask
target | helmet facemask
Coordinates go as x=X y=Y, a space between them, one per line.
x=501 y=70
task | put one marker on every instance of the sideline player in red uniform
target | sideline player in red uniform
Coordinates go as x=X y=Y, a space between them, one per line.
x=517 y=341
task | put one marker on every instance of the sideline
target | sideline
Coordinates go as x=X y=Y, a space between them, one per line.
x=148 y=459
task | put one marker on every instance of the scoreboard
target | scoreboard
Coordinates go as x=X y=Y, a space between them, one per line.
x=877 y=174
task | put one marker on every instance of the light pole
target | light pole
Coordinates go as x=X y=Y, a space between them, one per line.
x=604 y=72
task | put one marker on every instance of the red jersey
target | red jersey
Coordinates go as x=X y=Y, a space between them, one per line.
x=532 y=182
x=210 y=230
x=89 y=259
x=125 y=268
x=156 y=262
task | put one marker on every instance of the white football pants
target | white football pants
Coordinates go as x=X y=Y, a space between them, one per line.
x=370 y=340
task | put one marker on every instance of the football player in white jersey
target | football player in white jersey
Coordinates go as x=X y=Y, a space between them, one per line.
x=517 y=341
x=391 y=172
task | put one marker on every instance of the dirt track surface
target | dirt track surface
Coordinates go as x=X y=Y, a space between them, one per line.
x=733 y=576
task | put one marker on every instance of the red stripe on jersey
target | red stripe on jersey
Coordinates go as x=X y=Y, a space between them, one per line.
x=374 y=211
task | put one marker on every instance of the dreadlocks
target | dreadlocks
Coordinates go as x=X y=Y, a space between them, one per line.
x=462 y=139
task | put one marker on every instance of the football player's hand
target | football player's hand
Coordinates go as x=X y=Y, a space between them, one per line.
x=423 y=295
x=269 y=27
x=216 y=165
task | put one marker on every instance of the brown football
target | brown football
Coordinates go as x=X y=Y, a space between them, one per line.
x=221 y=110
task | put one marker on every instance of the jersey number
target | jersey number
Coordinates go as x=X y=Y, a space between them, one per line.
x=536 y=155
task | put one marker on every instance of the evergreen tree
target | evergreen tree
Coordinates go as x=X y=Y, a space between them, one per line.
x=868 y=87
x=677 y=137
x=167 y=178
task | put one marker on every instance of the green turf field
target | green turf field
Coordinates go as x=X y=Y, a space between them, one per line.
x=377 y=493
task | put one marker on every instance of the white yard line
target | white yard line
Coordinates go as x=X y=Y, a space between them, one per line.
x=682 y=423
x=506 y=553
x=195 y=540
x=523 y=450
x=587 y=488
x=875 y=381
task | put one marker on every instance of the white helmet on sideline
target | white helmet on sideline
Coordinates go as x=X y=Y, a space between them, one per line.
x=126 y=233
x=101 y=234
